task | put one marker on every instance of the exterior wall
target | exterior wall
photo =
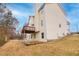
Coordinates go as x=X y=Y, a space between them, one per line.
x=38 y=17
x=37 y=21
x=42 y=23
x=51 y=22
x=52 y=17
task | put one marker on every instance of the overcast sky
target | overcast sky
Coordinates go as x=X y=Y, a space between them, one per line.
x=22 y=10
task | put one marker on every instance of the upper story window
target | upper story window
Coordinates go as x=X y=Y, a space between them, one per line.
x=59 y=25
x=41 y=22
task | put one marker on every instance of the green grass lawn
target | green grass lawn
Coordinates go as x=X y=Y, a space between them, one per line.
x=67 y=46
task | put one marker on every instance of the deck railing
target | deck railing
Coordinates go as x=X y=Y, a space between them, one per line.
x=29 y=28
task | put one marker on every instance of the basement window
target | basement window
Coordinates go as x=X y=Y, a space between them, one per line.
x=42 y=34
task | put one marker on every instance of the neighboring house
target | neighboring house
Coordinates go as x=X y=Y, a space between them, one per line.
x=50 y=22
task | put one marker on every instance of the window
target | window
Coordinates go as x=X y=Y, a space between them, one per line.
x=32 y=24
x=59 y=25
x=41 y=22
x=42 y=35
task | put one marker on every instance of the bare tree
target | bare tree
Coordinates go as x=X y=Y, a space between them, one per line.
x=7 y=21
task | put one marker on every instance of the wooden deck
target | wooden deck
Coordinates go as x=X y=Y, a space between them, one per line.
x=28 y=29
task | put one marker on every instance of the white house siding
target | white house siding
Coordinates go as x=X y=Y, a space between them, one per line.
x=51 y=22
x=37 y=20
x=52 y=17
x=42 y=23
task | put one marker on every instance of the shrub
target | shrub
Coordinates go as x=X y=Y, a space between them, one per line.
x=2 y=40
